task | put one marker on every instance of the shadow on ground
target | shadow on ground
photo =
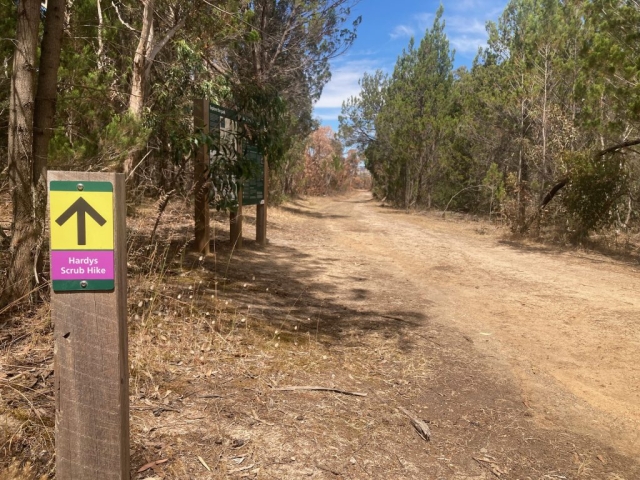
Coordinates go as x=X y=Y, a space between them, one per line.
x=281 y=285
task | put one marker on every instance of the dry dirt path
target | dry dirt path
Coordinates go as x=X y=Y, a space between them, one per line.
x=521 y=359
x=566 y=325
x=557 y=332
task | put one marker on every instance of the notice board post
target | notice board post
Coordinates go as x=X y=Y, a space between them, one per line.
x=261 y=209
x=235 y=223
x=200 y=171
x=89 y=314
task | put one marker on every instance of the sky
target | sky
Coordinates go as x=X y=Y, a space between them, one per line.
x=387 y=26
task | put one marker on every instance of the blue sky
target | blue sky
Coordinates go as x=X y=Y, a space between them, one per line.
x=387 y=26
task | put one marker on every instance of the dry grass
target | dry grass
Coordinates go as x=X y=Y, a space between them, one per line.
x=202 y=360
x=17 y=471
x=26 y=381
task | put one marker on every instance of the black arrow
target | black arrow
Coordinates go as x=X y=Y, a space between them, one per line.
x=81 y=207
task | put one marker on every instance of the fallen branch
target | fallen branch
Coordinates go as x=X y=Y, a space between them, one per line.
x=421 y=427
x=547 y=198
x=444 y=214
x=320 y=389
x=562 y=183
x=139 y=163
x=552 y=193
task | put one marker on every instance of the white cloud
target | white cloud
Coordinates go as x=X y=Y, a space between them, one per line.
x=466 y=34
x=464 y=23
x=464 y=26
x=343 y=83
x=467 y=46
x=401 y=31
x=327 y=114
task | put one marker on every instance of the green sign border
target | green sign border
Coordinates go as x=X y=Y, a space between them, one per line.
x=67 y=186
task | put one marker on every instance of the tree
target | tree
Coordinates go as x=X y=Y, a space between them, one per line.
x=29 y=136
x=412 y=123
x=325 y=171
x=358 y=116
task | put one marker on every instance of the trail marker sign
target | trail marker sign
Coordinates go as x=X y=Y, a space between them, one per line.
x=82 y=236
x=87 y=218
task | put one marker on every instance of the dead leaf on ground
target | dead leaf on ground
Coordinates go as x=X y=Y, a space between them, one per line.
x=153 y=464
x=204 y=464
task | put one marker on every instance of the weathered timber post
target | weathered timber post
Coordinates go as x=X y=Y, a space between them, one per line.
x=261 y=209
x=235 y=223
x=200 y=180
x=89 y=313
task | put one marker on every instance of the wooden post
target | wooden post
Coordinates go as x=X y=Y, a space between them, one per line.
x=200 y=171
x=261 y=210
x=89 y=313
x=235 y=223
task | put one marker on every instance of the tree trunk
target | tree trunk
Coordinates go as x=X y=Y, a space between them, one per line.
x=136 y=98
x=44 y=115
x=523 y=173
x=139 y=67
x=31 y=121
x=22 y=275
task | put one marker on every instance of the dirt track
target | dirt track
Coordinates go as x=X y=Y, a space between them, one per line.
x=522 y=359
x=566 y=326
x=556 y=333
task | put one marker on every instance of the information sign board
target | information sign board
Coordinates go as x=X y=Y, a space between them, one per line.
x=82 y=236
x=253 y=187
x=225 y=124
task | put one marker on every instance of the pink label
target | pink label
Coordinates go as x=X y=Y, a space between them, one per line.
x=82 y=265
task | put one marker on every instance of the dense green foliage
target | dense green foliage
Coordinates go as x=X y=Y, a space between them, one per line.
x=268 y=59
x=526 y=132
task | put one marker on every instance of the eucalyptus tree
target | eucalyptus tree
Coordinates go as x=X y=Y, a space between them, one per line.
x=280 y=66
x=358 y=123
x=31 y=116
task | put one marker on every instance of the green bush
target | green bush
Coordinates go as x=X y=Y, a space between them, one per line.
x=594 y=192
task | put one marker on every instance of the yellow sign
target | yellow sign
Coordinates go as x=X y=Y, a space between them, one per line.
x=81 y=220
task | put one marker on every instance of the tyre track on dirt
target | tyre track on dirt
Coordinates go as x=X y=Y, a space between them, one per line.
x=565 y=325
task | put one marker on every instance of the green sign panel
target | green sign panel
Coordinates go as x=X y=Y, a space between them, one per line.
x=225 y=124
x=253 y=188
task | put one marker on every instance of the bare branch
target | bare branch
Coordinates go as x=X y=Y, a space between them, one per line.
x=619 y=146
x=121 y=19
x=160 y=45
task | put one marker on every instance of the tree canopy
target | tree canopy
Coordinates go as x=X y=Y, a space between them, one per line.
x=123 y=92
x=539 y=130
